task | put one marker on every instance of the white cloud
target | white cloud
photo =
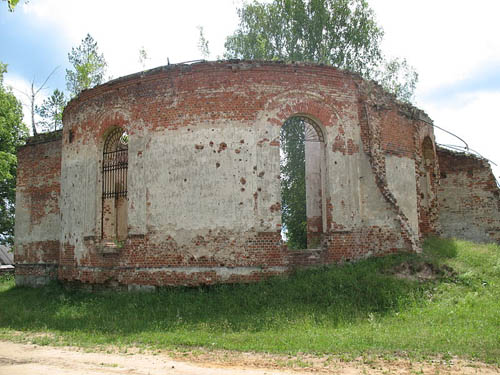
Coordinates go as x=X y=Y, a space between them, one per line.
x=164 y=28
x=475 y=122
x=445 y=40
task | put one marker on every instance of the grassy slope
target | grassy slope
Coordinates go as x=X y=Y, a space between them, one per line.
x=347 y=310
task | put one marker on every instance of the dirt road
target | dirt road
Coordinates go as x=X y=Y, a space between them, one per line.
x=27 y=359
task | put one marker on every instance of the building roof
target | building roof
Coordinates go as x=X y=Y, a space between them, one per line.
x=6 y=257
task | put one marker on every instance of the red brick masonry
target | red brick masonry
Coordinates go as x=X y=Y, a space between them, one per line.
x=231 y=112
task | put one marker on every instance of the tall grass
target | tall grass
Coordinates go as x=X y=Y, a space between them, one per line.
x=346 y=309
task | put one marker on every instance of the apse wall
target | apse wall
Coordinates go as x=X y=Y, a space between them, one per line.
x=203 y=198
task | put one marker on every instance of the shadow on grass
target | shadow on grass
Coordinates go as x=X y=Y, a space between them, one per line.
x=329 y=296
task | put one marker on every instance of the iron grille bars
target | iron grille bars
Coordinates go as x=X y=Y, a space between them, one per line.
x=114 y=169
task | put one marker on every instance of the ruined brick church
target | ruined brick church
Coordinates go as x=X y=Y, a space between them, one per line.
x=172 y=177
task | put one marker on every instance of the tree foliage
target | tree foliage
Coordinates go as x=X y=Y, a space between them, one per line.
x=12 y=134
x=342 y=33
x=293 y=183
x=338 y=32
x=399 y=78
x=33 y=96
x=51 y=111
x=203 y=44
x=89 y=66
x=12 y=4
x=143 y=57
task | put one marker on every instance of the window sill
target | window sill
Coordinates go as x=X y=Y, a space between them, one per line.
x=110 y=248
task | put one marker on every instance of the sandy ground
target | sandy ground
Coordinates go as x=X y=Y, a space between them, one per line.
x=27 y=359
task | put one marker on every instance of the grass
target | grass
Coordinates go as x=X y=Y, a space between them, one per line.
x=347 y=310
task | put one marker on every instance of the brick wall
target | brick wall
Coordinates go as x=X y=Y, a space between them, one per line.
x=37 y=228
x=203 y=173
x=468 y=198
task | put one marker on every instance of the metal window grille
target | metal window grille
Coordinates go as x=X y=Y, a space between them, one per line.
x=312 y=132
x=114 y=168
x=115 y=165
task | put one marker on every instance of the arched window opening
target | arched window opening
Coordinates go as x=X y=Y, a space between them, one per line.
x=114 y=186
x=301 y=150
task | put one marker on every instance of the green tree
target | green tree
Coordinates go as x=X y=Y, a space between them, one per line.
x=399 y=78
x=143 y=57
x=203 y=44
x=293 y=183
x=51 y=111
x=89 y=66
x=32 y=97
x=12 y=4
x=12 y=134
x=342 y=33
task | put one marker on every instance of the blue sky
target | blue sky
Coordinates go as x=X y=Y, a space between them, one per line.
x=485 y=79
x=31 y=48
x=453 y=44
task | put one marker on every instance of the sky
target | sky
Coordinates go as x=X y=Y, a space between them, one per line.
x=454 y=45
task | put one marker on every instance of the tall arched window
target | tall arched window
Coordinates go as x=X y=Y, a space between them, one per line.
x=427 y=180
x=114 y=185
x=428 y=161
x=301 y=154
